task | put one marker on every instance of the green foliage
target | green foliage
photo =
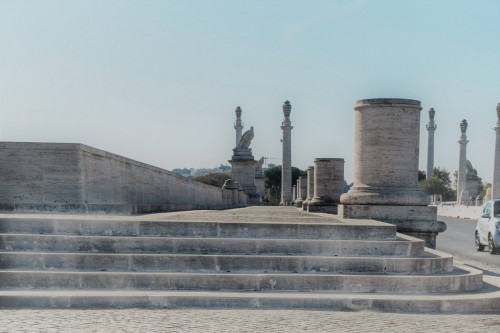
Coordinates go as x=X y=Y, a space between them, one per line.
x=440 y=183
x=484 y=188
x=421 y=175
x=214 y=179
x=272 y=182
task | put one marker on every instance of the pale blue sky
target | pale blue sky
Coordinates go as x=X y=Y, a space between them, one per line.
x=158 y=81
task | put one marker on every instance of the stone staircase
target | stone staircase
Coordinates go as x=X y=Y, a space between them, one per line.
x=258 y=257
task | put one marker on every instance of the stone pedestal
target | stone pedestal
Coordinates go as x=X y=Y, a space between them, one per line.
x=234 y=187
x=386 y=169
x=328 y=185
x=243 y=172
x=310 y=187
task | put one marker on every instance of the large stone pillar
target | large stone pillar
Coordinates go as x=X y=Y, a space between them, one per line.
x=302 y=191
x=328 y=185
x=386 y=169
x=495 y=188
x=431 y=127
x=238 y=125
x=310 y=187
x=286 y=169
x=462 y=195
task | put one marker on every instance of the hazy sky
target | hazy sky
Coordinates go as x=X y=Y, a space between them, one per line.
x=158 y=81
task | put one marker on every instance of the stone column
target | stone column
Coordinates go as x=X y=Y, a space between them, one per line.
x=328 y=185
x=495 y=188
x=310 y=187
x=431 y=127
x=386 y=169
x=302 y=191
x=294 y=193
x=238 y=125
x=286 y=169
x=462 y=196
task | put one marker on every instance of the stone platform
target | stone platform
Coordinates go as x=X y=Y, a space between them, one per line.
x=256 y=257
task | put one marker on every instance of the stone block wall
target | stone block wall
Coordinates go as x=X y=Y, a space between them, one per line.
x=65 y=177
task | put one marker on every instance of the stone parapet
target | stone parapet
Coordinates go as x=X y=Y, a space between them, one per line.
x=67 y=177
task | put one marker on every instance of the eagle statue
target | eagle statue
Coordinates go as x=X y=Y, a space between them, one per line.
x=246 y=139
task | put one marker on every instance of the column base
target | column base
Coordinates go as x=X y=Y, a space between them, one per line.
x=330 y=209
x=416 y=221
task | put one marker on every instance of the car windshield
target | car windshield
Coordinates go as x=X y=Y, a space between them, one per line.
x=496 y=210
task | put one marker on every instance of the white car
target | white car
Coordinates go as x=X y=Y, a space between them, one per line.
x=488 y=227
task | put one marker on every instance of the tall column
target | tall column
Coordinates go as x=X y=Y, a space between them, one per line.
x=431 y=127
x=495 y=188
x=387 y=132
x=286 y=169
x=462 y=164
x=238 y=125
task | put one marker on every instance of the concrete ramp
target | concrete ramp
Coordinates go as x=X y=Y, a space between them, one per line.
x=256 y=257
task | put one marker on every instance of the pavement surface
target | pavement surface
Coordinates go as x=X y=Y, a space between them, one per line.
x=139 y=320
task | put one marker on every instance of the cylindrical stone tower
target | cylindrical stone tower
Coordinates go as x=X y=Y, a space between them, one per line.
x=386 y=153
x=386 y=169
x=462 y=196
x=310 y=187
x=302 y=191
x=495 y=188
x=238 y=125
x=431 y=127
x=286 y=169
x=328 y=185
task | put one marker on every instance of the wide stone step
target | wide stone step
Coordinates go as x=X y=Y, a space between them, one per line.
x=486 y=300
x=124 y=244
x=60 y=226
x=224 y=263
x=458 y=281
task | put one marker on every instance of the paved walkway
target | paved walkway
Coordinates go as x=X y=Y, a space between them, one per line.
x=138 y=320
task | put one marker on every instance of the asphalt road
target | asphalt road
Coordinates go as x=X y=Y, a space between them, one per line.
x=458 y=239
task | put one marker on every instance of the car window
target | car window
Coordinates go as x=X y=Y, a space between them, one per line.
x=496 y=209
x=487 y=209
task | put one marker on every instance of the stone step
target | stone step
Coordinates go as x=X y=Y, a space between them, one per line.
x=114 y=227
x=125 y=244
x=486 y=300
x=224 y=263
x=459 y=280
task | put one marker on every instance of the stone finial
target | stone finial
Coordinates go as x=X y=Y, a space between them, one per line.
x=498 y=112
x=287 y=108
x=463 y=126
x=432 y=113
x=238 y=112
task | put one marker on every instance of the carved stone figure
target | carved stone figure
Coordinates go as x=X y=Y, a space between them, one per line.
x=259 y=164
x=246 y=139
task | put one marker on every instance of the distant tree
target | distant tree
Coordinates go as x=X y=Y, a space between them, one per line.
x=438 y=184
x=484 y=188
x=421 y=175
x=214 y=179
x=185 y=172
x=272 y=182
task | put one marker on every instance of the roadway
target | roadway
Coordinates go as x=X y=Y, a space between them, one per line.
x=458 y=239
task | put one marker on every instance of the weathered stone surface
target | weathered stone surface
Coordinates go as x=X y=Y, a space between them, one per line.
x=286 y=170
x=77 y=178
x=386 y=168
x=328 y=185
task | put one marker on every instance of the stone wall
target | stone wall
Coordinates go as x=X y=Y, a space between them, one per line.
x=459 y=211
x=67 y=177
